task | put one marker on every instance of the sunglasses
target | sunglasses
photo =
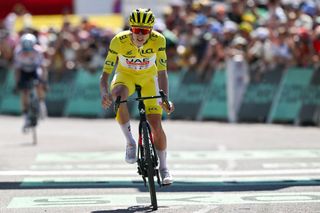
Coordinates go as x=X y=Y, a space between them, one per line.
x=137 y=30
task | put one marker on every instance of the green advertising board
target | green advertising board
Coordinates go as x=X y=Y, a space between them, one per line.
x=10 y=101
x=289 y=100
x=3 y=78
x=85 y=100
x=259 y=96
x=60 y=90
x=215 y=104
x=310 y=110
x=189 y=99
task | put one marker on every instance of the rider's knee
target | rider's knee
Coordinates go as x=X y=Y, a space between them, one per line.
x=120 y=90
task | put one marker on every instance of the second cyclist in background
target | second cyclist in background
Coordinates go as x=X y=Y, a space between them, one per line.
x=29 y=66
x=140 y=54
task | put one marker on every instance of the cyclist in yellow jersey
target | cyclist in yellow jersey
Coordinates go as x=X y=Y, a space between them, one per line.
x=140 y=56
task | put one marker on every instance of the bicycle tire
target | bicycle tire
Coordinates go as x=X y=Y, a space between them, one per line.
x=34 y=107
x=150 y=165
x=33 y=112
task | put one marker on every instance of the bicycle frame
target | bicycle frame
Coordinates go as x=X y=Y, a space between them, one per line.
x=147 y=157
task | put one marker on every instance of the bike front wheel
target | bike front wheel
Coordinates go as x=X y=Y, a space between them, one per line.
x=149 y=164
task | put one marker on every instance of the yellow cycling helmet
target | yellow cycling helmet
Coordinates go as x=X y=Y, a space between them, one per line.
x=141 y=18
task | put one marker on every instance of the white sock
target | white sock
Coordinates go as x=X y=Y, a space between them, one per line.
x=126 y=129
x=162 y=154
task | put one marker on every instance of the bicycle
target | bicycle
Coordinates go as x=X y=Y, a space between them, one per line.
x=33 y=111
x=147 y=158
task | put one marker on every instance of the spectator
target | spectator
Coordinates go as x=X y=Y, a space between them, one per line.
x=6 y=50
x=260 y=57
x=316 y=47
x=200 y=36
x=236 y=12
x=282 y=54
x=302 y=48
x=18 y=12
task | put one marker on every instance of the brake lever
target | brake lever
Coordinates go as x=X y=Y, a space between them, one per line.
x=164 y=99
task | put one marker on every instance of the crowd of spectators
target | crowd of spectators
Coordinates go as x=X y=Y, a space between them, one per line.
x=201 y=35
x=269 y=34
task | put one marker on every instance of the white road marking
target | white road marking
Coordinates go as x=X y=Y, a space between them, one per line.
x=291 y=165
x=164 y=199
x=183 y=155
x=175 y=172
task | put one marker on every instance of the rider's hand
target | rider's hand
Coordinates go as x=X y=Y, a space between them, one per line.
x=166 y=108
x=106 y=100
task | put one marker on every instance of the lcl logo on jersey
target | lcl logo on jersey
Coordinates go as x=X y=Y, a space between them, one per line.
x=147 y=51
x=109 y=63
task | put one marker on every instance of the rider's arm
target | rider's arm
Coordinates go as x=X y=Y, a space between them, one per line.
x=163 y=81
x=104 y=85
x=162 y=72
x=112 y=56
x=108 y=67
x=162 y=65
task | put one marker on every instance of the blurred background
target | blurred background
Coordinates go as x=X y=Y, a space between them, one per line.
x=230 y=61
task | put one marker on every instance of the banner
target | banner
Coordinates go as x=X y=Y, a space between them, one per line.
x=259 y=96
x=61 y=87
x=189 y=99
x=215 y=104
x=10 y=101
x=3 y=78
x=310 y=110
x=85 y=100
x=288 y=102
x=113 y=22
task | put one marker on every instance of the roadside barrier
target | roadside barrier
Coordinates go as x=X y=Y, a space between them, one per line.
x=281 y=96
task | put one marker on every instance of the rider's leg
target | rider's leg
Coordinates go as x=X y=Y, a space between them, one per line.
x=154 y=114
x=123 y=113
x=24 y=99
x=160 y=141
x=122 y=85
x=123 y=119
x=123 y=116
x=42 y=104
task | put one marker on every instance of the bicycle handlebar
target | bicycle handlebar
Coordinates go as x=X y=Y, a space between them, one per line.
x=162 y=95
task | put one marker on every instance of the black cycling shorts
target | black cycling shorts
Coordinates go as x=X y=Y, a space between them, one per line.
x=26 y=78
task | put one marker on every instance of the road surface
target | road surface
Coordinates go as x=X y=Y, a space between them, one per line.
x=78 y=166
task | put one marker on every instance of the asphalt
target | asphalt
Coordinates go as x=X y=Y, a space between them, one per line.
x=78 y=166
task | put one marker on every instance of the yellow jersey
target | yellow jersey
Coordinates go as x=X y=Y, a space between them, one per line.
x=147 y=59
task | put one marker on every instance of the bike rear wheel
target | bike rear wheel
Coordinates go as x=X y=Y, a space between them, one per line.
x=149 y=165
